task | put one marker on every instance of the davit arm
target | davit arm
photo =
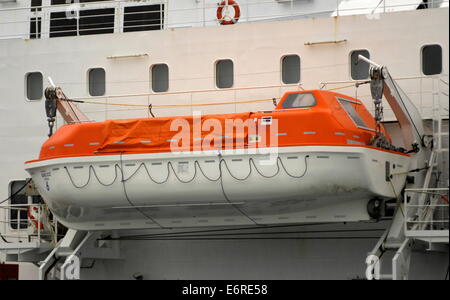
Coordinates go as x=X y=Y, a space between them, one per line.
x=56 y=100
x=409 y=118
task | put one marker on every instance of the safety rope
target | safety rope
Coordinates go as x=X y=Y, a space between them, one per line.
x=341 y=87
x=251 y=163
x=195 y=104
x=172 y=105
x=222 y=161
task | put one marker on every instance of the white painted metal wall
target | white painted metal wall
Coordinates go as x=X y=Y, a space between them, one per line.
x=393 y=39
x=15 y=14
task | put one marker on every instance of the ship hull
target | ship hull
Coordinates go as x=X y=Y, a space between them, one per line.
x=306 y=184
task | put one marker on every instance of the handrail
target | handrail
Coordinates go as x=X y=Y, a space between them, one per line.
x=166 y=13
x=425 y=190
x=207 y=6
x=189 y=92
x=421 y=218
x=397 y=78
x=43 y=227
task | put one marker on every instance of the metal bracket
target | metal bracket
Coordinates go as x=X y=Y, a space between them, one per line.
x=71 y=268
x=50 y=108
x=401 y=261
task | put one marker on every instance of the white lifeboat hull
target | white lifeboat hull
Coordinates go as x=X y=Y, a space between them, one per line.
x=306 y=184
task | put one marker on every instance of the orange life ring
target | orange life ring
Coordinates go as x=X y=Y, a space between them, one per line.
x=234 y=19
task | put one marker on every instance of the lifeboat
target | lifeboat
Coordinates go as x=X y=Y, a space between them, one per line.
x=309 y=160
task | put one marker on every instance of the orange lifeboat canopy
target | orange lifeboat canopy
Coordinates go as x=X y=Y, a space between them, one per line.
x=305 y=118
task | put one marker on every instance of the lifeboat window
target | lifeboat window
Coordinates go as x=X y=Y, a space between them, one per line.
x=290 y=69
x=432 y=59
x=359 y=69
x=34 y=84
x=224 y=74
x=97 y=82
x=299 y=100
x=160 y=78
x=349 y=107
x=18 y=218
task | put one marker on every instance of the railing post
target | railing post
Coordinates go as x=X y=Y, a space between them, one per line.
x=421 y=94
x=4 y=219
x=235 y=102
x=55 y=219
x=148 y=103
x=192 y=108
x=248 y=11
x=204 y=13
x=106 y=109
x=161 y=14
x=39 y=224
x=118 y=11
x=405 y=205
x=18 y=222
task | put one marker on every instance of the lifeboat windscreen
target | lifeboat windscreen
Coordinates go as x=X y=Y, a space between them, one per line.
x=350 y=107
x=299 y=100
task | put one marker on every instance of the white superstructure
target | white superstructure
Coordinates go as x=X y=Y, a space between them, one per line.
x=276 y=46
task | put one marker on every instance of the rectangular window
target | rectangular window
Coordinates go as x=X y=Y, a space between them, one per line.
x=63 y=24
x=97 y=82
x=35 y=23
x=160 y=78
x=18 y=218
x=142 y=18
x=290 y=69
x=36 y=5
x=84 y=22
x=34 y=83
x=35 y=28
x=359 y=69
x=299 y=100
x=96 y=21
x=349 y=107
x=432 y=59
x=224 y=74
